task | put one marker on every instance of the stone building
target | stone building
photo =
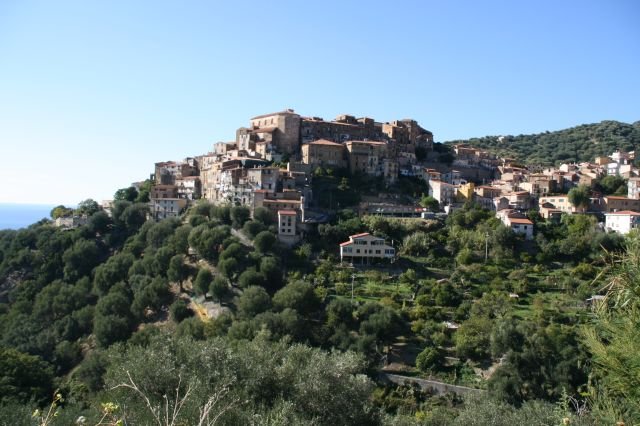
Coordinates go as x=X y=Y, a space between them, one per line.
x=282 y=128
x=287 y=131
x=166 y=172
x=324 y=153
x=368 y=157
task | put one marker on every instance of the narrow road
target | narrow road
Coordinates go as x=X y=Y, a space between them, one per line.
x=440 y=388
x=243 y=238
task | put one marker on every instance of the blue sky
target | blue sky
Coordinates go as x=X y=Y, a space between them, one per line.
x=93 y=93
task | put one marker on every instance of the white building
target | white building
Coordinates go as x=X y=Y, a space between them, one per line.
x=442 y=191
x=622 y=222
x=188 y=187
x=164 y=208
x=364 y=247
x=516 y=222
x=287 y=227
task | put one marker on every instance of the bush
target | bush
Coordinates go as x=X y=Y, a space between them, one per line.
x=429 y=359
x=180 y=310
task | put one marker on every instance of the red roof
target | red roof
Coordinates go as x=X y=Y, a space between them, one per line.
x=617 y=197
x=283 y=201
x=287 y=212
x=624 y=213
x=369 y=142
x=346 y=243
x=325 y=142
x=520 y=221
x=364 y=234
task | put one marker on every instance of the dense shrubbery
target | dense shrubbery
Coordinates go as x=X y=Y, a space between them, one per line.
x=581 y=143
x=72 y=295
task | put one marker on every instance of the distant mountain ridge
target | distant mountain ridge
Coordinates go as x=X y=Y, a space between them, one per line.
x=575 y=144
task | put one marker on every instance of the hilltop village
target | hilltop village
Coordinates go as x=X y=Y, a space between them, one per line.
x=272 y=163
x=311 y=259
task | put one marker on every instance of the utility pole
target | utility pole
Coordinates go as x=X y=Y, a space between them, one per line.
x=486 y=247
x=353 y=277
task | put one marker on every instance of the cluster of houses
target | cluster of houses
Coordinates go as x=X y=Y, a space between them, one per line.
x=515 y=189
x=270 y=164
x=272 y=161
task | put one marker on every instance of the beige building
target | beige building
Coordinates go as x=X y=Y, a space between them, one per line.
x=366 y=157
x=324 y=153
x=281 y=128
x=365 y=247
x=633 y=188
x=611 y=203
x=163 y=191
x=559 y=202
x=539 y=185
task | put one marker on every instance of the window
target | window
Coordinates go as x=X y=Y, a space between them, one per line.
x=358 y=251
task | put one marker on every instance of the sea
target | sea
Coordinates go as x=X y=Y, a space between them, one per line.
x=16 y=216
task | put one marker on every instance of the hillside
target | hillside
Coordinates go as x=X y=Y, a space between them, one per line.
x=580 y=143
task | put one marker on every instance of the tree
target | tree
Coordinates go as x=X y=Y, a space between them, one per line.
x=612 y=185
x=99 y=222
x=252 y=228
x=80 y=259
x=252 y=301
x=429 y=359
x=612 y=340
x=239 y=384
x=272 y=274
x=263 y=215
x=430 y=203
x=472 y=339
x=145 y=189
x=344 y=184
x=134 y=216
x=228 y=267
x=264 y=241
x=180 y=310
x=60 y=211
x=110 y=329
x=250 y=277
x=297 y=295
x=112 y=271
x=178 y=270
x=579 y=196
x=239 y=215
x=203 y=281
x=126 y=194
x=219 y=288
x=87 y=207
x=23 y=377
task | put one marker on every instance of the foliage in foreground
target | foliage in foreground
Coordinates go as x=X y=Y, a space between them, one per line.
x=613 y=341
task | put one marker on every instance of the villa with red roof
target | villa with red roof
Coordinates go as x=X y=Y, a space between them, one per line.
x=365 y=247
x=517 y=222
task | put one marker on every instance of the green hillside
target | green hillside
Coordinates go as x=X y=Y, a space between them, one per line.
x=580 y=143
